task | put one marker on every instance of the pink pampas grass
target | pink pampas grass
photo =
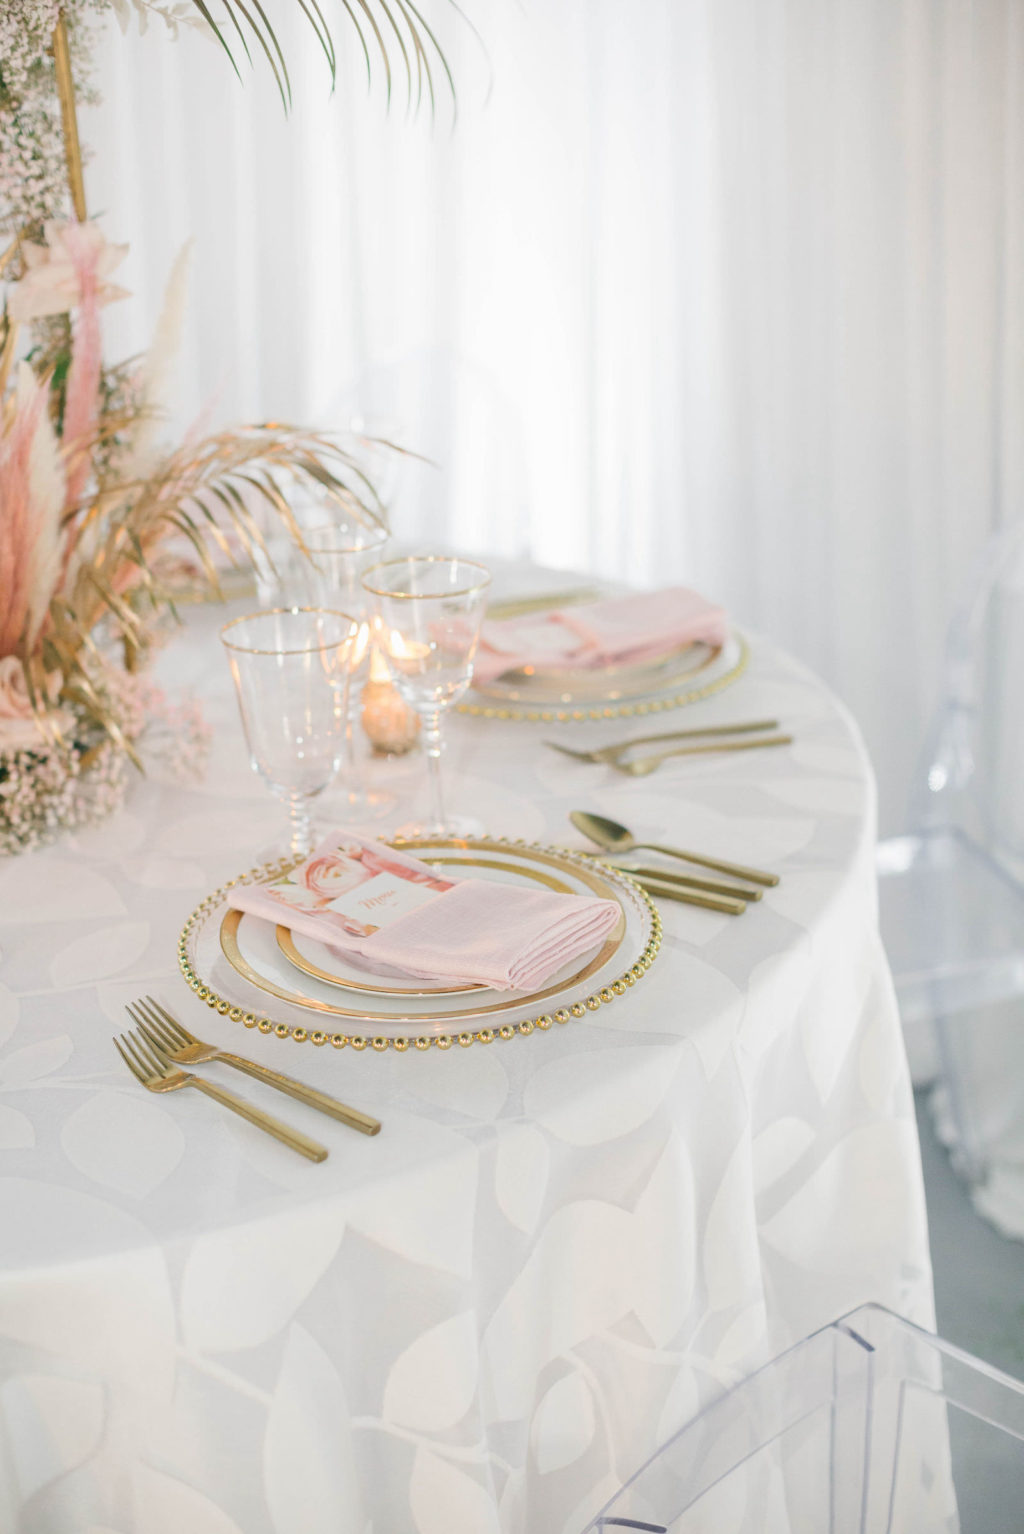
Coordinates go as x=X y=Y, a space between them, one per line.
x=31 y=496
x=81 y=404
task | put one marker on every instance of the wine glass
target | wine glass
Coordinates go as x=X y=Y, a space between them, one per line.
x=339 y=553
x=290 y=667
x=427 y=614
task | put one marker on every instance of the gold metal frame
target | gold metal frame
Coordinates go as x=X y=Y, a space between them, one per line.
x=69 y=117
x=382 y=1042
x=521 y=714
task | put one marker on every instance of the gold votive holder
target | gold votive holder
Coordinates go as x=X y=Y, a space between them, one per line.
x=389 y=724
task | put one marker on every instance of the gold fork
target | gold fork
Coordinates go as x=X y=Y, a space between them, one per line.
x=172 y=1039
x=612 y=754
x=643 y=766
x=157 y=1075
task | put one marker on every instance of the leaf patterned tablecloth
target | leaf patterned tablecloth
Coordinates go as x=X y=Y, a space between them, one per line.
x=558 y=1248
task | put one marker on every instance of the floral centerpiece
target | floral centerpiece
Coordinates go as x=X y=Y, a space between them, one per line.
x=95 y=512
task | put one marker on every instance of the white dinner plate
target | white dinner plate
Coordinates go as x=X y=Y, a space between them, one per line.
x=351 y=973
x=557 y=682
x=551 y=694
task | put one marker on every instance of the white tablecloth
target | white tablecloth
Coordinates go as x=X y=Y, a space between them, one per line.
x=559 y=1246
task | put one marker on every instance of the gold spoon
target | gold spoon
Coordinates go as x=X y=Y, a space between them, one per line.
x=614 y=837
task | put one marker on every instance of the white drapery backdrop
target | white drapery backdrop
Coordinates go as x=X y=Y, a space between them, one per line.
x=727 y=292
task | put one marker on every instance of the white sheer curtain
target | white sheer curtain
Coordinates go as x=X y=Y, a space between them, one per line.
x=728 y=292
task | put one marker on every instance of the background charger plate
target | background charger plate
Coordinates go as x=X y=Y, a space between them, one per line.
x=549 y=683
x=686 y=676
x=256 y=977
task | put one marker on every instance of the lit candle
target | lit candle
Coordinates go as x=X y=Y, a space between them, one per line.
x=390 y=724
x=359 y=644
x=408 y=655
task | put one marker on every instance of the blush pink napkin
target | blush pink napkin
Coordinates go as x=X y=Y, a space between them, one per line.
x=476 y=932
x=619 y=631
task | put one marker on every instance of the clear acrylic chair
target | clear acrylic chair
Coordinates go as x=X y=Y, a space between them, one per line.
x=869 y=1426
x=952 y=889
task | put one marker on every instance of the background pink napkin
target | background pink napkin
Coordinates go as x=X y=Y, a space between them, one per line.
x=620 y=630
x=475 y=932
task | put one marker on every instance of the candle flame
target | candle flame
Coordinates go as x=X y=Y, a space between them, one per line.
x=400 y=648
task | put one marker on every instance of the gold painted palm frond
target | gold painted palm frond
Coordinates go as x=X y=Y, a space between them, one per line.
x=397 y=32
x=208 y=493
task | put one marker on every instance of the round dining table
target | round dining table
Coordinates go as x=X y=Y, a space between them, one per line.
x=561 y=1245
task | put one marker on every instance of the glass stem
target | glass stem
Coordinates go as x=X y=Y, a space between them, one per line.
x=432 y=747
x=353 y=774
x=300 y=838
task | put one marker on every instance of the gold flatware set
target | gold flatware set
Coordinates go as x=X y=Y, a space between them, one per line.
x=159 y=1050
x=156 y=1049
x=731 y=898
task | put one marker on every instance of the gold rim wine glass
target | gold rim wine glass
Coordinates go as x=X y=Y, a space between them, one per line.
x=428 y=609
x=340 y=552
x=290 y=667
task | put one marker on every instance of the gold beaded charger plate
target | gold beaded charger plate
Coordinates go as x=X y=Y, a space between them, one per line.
x=544 y=695
x=548 y=683
x=234 y=962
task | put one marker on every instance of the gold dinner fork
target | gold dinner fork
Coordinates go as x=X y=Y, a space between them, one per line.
x=172 y=1039
x=157 y=1075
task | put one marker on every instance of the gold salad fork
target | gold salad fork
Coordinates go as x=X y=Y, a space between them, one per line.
x=172 y=1039
x=157 y=1075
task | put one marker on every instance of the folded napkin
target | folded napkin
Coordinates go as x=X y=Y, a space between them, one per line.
x=619 y=631
x=392 y=911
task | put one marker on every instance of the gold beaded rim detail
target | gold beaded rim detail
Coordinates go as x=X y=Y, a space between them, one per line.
x=523 y=715
x=381 y=1043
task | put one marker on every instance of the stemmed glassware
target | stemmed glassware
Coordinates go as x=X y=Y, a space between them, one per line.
x=339 y=553
x=427 y=615
x=290 y=667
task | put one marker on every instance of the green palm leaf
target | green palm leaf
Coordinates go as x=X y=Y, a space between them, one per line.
x=393 y=24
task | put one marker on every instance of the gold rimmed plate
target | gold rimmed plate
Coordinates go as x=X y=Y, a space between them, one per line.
x=686 y=675
x=562 y=683
x=234 y=961
x=251 y=947
x=334 y=967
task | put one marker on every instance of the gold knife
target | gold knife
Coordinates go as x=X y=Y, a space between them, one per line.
x=693 y=897
x=691 y=881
